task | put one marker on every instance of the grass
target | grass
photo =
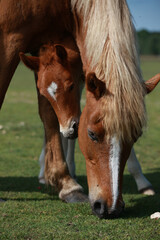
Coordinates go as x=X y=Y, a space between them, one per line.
x=33 y=211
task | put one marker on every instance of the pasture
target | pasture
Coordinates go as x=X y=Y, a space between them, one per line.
x=33 y=211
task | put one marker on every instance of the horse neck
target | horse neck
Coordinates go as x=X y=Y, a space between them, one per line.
x=105 y=36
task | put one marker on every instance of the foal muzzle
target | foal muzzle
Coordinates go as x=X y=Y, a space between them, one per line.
x=72 y=131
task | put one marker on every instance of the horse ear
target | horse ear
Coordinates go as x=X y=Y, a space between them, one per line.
x=30 y=61
x=152 y=83
x=94 y=85
x=61 y=52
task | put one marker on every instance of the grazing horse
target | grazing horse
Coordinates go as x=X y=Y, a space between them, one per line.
x=105 y=36
x=54 y=68
x=104 y=169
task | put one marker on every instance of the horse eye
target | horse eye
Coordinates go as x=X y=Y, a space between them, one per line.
x=92 y=136
x=71 y=88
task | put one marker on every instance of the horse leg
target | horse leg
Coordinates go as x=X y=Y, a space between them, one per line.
x=42 y=164
x=56 y=171
x=64 y=145
x=9 y=60
x=70 y=157
x=68 y=149
x=143 y=185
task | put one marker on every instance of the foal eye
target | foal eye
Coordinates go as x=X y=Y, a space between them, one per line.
x=71 y=88
x=92 y=136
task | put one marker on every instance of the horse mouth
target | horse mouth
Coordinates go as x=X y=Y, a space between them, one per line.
x=71 y=132
x=100 y=209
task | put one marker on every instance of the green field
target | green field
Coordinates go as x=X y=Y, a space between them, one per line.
x=35 y=212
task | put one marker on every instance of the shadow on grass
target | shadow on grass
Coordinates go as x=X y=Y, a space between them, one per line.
x=139 y=206
x=31 y=184
x=129 y=185
x=142 y=207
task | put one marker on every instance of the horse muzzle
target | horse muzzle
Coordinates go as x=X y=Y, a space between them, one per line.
x=100 y=209
x=72 y=131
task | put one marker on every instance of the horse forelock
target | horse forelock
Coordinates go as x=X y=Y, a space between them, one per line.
x=110 y=47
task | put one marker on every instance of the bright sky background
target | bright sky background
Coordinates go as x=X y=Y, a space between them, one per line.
x=146 y=14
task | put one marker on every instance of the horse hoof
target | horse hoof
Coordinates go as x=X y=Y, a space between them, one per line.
x=148 y=191
x=75 y=197
x=42 y=180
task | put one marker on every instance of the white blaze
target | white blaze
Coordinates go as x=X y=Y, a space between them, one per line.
x=114 y=162
x=52 y=90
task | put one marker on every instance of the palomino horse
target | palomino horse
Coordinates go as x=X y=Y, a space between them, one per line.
x=105 y=37
x=104 y=168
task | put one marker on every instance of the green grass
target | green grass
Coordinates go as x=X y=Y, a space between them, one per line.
x=35 y=212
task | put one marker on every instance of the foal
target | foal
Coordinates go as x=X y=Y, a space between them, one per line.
x=56 y=70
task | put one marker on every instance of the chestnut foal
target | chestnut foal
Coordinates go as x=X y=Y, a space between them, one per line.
x=104 y=173
x=58 y=73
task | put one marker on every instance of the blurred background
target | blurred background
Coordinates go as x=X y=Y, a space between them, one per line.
x=146 y=17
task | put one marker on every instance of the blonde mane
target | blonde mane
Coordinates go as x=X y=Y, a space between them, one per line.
x=110 y=47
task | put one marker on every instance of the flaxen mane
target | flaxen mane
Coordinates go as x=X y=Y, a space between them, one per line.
x=111 y=49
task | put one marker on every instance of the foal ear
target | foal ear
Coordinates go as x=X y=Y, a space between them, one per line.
x=61 y=52
x=152 y=83
x=94 y=85
x=30 y=61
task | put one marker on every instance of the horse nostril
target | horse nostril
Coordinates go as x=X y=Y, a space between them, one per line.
x=100 y=209
x=74 y=126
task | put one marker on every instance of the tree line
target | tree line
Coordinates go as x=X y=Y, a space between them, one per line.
x=149 y=42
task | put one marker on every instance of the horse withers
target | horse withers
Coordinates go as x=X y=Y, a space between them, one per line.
x=105 y=155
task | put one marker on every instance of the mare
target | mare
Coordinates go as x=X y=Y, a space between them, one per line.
x=101 y=159
x=105 y=36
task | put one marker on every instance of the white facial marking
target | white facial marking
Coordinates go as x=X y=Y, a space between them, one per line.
x=114 y=162
x=52 y=90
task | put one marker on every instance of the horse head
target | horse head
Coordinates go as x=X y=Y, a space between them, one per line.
x=56 y=68
x=105 y=154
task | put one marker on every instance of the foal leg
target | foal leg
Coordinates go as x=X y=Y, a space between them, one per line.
x=68 y=149
x=143 y=185
x=56 y=171
x=70 y=157
x=64 y=145
x=42 y=164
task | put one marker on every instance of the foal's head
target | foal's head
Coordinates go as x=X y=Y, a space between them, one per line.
x=105 y=154
x=59 y=70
